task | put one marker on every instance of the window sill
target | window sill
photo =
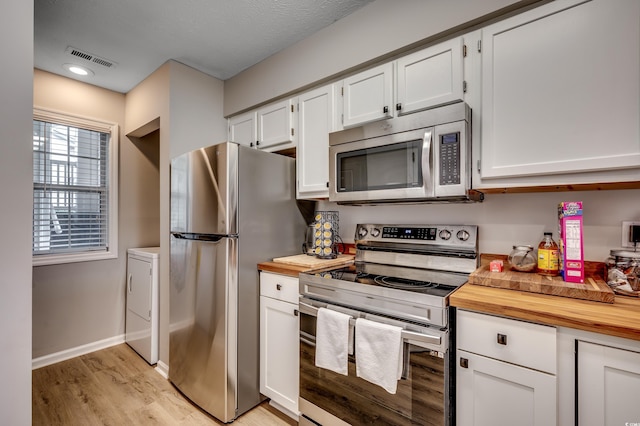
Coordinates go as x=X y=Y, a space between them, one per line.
x=56 y=259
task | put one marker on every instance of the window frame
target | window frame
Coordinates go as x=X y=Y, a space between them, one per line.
x=52 y=116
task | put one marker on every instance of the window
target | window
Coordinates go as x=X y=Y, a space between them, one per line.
x=74 y=189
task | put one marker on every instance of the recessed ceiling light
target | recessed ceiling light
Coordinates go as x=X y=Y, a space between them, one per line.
x=77 y=69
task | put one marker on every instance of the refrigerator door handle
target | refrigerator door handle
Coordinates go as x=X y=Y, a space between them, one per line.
x=201 y=237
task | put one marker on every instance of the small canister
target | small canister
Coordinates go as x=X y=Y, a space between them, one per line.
x=523 y=259
x=623 y=270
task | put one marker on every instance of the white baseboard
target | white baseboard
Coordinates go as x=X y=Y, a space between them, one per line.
x=77 y=351
x=162 y=369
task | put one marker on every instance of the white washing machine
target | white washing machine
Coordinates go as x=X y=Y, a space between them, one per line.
x=141 y=320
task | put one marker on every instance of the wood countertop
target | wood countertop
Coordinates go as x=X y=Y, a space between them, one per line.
x=621 y=318
x=293 y=270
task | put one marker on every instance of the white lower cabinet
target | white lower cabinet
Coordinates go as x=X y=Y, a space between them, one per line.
x=279 y=341
x=608 y=385
x=505 y=372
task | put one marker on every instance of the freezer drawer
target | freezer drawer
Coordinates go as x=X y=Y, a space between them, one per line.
x=141 y=318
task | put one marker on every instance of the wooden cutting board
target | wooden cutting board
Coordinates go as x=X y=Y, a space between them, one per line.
x=594 y=287
x=313 y=262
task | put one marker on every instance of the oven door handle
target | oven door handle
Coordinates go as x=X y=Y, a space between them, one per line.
x=418 y=339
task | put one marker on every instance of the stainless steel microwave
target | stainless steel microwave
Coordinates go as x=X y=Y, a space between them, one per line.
x=420 y=157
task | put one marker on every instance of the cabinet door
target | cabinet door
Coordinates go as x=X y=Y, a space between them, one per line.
x=495 y=393
x=242 y=129
x=279 y=352
x=560 y=92
x=367 y=96
x=316 y=119
x=276 y=125
x=430 y=77
x=608 y=385
x=139 y=287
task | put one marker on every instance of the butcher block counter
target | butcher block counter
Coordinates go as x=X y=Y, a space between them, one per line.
x=293 y=265
x=620 y=318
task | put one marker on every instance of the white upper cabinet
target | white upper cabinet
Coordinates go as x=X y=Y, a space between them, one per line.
x=316 y=119
x=421 y=80
x=368 y=96
x=276 y=126
x=560 y=90
x=271 y=128
x=243 y=129
x=430 y=77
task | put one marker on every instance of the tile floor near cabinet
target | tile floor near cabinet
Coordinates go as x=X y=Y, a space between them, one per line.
x=115 y=386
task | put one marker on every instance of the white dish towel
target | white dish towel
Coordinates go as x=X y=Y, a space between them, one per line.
x=379 y=353
x=332 y=341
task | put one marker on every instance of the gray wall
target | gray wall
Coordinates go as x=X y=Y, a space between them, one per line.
x=505 y=220
x=81 y=303
x=16 y=111
x=377 y=31
x=186 y=107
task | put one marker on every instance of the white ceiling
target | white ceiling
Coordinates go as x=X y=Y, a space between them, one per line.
x=218 y=37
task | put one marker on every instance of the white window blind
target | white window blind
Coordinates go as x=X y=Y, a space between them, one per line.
x=71 y=189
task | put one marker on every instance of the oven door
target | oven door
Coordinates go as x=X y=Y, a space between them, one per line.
x=424 y=394
x=391 y=167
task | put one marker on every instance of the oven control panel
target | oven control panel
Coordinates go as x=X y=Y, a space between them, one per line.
x=448 y=235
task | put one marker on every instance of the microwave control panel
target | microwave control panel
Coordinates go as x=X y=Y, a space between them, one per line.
x=449 y=158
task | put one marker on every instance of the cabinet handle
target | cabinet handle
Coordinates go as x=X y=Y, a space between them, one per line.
x=278 y=287
x=385 y=109
x=251 y=144
x=398 y=107
x=257 y=143
x=464 y=363
x=502 y=339
x=296 y=312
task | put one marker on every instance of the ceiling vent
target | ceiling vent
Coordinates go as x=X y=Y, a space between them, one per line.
x=90 y=57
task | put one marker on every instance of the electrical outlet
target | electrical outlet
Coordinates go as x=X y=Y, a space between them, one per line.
x=626 y=232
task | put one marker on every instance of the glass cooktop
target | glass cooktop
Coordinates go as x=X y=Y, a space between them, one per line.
x=399 y=278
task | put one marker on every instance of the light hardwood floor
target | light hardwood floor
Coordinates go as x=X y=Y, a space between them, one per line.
x=115 y=386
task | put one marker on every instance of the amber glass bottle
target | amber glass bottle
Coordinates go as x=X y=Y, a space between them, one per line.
x=548 y=256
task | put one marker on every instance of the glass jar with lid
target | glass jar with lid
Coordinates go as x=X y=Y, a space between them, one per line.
x=623 y=270
x=523 y=258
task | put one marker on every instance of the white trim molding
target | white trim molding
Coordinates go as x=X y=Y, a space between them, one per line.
x=53 y=358
x=162 y=369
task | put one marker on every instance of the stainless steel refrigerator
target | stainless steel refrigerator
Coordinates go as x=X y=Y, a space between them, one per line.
x=232 y=207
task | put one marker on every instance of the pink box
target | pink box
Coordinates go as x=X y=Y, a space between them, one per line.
x=496 y=265
x=571 y=241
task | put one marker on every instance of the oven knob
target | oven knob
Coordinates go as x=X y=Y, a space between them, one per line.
x=375 y=232
x=444 y=234
x=362 y=232
x=463 y=235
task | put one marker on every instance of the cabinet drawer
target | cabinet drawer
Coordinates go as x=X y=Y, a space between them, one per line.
x=518 y=342
x=279 y=287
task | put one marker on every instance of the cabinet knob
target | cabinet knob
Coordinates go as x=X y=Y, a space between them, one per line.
x=398 y=106
x=385 y=109
x=464 y=363
x=257 y=143
x=296 y=312
x=278 y=286
x=502 y=339
x=251 y=144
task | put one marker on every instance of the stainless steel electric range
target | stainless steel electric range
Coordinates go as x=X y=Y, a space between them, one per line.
x=403 y=275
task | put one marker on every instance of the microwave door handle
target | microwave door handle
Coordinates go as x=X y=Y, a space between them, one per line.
x=426 y=159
